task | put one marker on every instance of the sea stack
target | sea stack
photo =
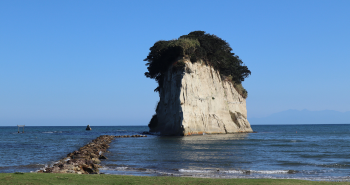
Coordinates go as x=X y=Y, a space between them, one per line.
x=199 y=94
x=88 y=127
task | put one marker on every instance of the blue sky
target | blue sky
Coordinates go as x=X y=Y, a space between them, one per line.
x=81 y=62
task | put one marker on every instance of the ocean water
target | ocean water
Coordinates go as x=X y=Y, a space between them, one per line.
x=312 y=152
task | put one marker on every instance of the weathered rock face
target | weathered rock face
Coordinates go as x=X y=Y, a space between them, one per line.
x=197 y=101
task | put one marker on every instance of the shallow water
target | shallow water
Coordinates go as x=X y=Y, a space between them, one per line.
x=314 y=152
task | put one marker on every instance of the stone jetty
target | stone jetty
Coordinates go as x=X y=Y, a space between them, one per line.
x=87 y=159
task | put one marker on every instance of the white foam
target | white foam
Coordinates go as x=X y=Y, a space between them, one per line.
x=234 y=171
x=194 y=171
x=104 y=168
x=43 y=168
x=47 y=132
x=121 y=168
x=114 y=169
x=270 y=171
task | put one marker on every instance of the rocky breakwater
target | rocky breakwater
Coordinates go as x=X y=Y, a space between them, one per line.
x=198 y=100
x=86 y=160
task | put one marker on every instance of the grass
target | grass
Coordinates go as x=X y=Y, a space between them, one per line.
x=37 y=178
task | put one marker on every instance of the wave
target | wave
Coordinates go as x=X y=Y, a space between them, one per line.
x=251 y=174
x=274 y=171
x=122 y=168
x=116 y=168
x=189 y=171
x=22 y=166
x=195 y=171
x=240 y=171
x=334 y=165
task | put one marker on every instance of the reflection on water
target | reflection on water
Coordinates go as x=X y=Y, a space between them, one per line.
x=207 y=149
x=208 y=152
x=215 y=137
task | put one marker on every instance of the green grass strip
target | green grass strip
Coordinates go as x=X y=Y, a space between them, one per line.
x=37 y=178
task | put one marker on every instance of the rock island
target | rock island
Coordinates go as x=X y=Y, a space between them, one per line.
x=199 y=85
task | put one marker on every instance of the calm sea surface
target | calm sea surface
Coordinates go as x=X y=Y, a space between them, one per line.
x=314 y=152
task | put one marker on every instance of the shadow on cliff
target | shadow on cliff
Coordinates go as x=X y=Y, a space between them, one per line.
x=169 y=114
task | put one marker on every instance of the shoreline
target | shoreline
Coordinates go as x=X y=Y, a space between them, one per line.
x=144 y=173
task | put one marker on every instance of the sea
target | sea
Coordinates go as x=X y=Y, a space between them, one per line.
x=309 y=152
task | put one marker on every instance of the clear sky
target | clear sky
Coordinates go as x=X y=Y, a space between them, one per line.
x=81 y=62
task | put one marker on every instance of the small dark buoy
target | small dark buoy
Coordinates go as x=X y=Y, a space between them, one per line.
x=88 y=127
x=22 y=127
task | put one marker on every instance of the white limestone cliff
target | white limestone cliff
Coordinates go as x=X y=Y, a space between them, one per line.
x=197 y=101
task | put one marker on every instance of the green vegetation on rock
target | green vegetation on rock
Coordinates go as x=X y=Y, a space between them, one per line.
x=197 y=46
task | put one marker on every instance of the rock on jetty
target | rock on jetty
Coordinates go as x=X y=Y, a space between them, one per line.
x=86 y=160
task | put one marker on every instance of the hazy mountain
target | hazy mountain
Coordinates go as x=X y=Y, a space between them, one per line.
x=303 y=117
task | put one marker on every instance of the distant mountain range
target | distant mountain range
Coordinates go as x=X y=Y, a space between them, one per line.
x=303 y=117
